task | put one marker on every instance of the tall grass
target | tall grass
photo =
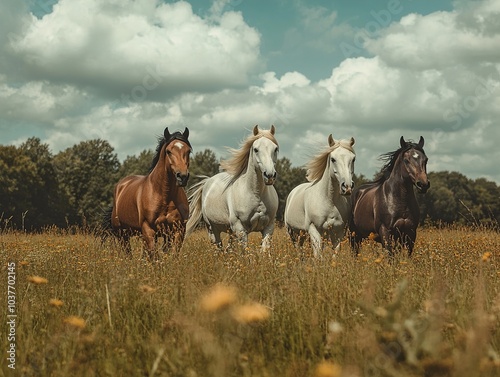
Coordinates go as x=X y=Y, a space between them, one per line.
x=204 y=313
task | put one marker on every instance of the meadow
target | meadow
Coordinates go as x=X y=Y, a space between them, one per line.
x=85 y=309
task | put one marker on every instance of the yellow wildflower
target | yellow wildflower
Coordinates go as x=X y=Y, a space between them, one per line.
x=75 y=321
x=250 y=313
x=486 y=256
x=218 y=298
x=37 y=280
x=55 y=302
x=327 y=369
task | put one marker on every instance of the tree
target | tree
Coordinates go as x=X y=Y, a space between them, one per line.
x=17 y=178
x=133 y=165
x=203 y=163
x=87 y=173
x=48 y=200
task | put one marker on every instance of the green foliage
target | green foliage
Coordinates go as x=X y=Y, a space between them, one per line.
x=454 y=198
x=31 y=196
x=136 y=165
x=203 y=164
x=87 y=173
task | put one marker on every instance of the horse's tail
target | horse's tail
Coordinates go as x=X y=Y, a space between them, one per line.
x=194 y=198
x=104 y=228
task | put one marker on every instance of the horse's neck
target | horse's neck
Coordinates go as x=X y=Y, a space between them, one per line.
x=162 y=177
x=329 y=184
x=252 y=179
x=399 y=182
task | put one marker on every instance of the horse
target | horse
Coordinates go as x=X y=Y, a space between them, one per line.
x=155 y=204
x=322 y=206
x=240 y=199
x=386 y=210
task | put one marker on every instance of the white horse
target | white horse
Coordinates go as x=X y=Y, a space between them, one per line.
x=322 y=206
x=241 y=199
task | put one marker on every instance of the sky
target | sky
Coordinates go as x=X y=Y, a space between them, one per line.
x=123 y=70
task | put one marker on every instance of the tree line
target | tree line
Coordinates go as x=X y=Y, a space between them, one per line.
x=75 y=186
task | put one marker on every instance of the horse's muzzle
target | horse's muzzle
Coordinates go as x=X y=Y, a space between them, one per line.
x=345 y=189
x=182 y=179
x=269 y=179
x=422 y=187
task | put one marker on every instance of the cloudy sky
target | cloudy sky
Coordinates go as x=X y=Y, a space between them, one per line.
x=122 y=70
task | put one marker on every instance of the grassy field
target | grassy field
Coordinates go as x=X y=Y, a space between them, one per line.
x=85 y=309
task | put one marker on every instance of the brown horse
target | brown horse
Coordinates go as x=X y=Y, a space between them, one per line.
x=386 y=210
x=156 y=204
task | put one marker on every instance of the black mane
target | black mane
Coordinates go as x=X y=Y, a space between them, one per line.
x=156 y=158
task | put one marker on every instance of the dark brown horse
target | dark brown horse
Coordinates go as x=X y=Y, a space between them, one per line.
x=386 y=210
x=156 y=204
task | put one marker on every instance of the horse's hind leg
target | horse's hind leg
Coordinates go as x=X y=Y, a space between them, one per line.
x=123 y=238
x=355 y=241
x=297 y=236
x=214 y=237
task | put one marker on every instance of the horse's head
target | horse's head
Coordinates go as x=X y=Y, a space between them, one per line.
x=415 y=162
x=341 y=164
x=265 y=153
x=177 y=152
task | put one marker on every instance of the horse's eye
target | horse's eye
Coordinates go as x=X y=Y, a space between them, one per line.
x=169 y=152
x=333 y=160
x=256 y=150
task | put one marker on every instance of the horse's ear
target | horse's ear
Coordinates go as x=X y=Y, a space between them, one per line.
x=421 y=142
x=256 y=130
x=166 y=134
x=402 y=142
x=273 y=129
x=352 y=141
x=330 y=140
x=185 y=133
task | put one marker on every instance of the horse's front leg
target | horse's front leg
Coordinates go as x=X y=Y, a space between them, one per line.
x=240 y=232
x=148 y=234
x=336 y=238
x=267 y=235
x=316 y=241
x=408 y=240
x=386 y=239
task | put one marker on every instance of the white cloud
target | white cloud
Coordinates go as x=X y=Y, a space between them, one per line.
x=440 y=40
x=120 y=45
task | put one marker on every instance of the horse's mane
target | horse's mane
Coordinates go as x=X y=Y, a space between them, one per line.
x=317 y=165
x=161 y=143
x=390 y=159
x=237 y=163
